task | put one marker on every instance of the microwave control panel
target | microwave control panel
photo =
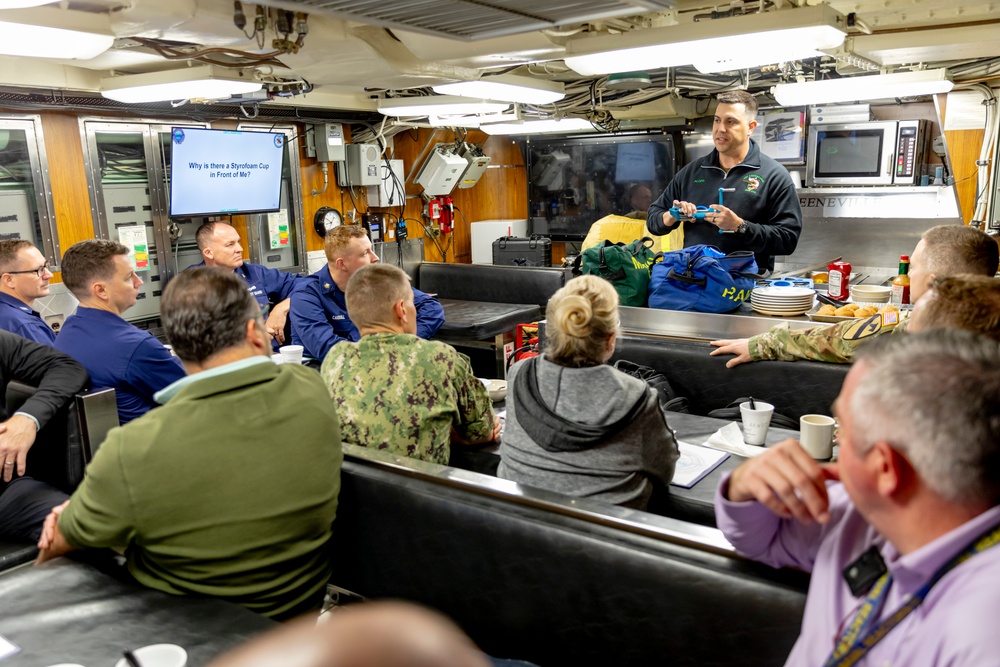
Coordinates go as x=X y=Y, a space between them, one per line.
x=909 y=152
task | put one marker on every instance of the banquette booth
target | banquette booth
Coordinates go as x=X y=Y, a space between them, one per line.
x=488 y=221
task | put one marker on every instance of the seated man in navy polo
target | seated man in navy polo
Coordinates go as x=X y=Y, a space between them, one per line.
x=319 y=307
x=24 y=277
x=115 y=353
x=220 y=246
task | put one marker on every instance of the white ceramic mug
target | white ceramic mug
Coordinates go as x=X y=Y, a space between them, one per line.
x=816 y=435
x=756 y=421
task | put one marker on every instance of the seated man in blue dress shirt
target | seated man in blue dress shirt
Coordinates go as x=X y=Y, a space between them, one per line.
x=220 y=246
x=319 y=307
x=24 y=277
x=115 y=353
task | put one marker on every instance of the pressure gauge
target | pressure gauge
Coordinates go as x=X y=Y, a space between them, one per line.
x=326 y=219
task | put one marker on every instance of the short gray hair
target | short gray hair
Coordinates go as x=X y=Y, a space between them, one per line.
x=205 y=310
x=935 y=397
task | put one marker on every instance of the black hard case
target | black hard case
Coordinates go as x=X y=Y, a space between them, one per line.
x=520 y=251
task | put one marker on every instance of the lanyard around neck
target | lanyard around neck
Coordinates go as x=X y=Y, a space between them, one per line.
x=859 y=637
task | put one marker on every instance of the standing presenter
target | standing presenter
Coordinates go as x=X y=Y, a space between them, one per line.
x=761 y=214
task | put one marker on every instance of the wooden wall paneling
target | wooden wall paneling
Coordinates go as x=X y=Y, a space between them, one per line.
x=68 y=179
x=311 y=175
x=963 y=148
x=500 y=194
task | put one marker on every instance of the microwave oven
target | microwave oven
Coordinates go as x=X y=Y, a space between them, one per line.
x=886 y=152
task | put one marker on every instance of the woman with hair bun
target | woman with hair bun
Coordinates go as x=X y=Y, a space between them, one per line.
x=577 y=425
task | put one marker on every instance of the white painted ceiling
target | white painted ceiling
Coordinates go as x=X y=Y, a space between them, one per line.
x=356 y=49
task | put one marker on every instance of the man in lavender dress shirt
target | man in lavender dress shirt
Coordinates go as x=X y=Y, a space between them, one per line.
x=918 y=479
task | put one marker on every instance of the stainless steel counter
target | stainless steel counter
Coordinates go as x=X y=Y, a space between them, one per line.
x=741 y=323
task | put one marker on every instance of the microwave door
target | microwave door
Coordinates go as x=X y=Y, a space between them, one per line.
x=852 y=154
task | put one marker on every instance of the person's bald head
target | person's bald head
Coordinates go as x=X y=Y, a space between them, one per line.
x=370 y=634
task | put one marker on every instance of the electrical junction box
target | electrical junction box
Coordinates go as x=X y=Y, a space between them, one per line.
x=441 y=172
x=361 y=167
x=478 y=162
x=328 y=140
x=390 y=190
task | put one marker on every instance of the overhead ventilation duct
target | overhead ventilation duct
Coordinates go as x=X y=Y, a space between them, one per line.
x=479 y=19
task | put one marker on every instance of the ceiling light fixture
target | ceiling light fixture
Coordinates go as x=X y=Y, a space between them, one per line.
x=508 y=88
x=437 y=105
x=552 y=126
x=750 y=41
x=204 y=82
x=20 y=4
x=46 y=32
x=874 y=87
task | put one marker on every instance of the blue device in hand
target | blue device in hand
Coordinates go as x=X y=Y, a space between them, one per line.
x=701 y=212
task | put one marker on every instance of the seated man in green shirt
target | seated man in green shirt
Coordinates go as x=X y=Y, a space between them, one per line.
x=394 y=391
x=229 y=488
x=945 y=250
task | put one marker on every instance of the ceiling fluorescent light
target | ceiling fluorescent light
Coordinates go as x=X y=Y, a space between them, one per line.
x=39 y=33
x=437 y=105
x=470 y=121
x=874 y=87
x=765 y=54
x=508 y=88
x=20 y=4
x=203 y=82
x=752 y=40
x=540 y=126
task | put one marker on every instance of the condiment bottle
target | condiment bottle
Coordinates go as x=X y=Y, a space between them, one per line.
x=840 y=280
x=901 y=283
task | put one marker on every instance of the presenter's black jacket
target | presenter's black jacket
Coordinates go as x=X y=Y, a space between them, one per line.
x=765 y=198
x=56 y=375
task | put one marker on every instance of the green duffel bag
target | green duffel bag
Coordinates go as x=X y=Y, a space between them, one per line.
x=624 y=265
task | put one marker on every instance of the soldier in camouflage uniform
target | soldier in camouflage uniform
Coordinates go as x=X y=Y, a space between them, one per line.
x=833 y=344
x=944 y=250
x=394 y=391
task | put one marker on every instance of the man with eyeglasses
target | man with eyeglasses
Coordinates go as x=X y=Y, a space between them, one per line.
x=24 y=277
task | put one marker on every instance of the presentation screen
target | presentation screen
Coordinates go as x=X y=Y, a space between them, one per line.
x=225 y=172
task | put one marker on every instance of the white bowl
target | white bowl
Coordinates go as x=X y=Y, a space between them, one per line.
x=871 y=293
x=158 y=655
x=497 y=389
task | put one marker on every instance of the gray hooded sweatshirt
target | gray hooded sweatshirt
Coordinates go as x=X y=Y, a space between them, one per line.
x=620 y=467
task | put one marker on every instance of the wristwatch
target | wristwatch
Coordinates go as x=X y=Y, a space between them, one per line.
x=744 y=226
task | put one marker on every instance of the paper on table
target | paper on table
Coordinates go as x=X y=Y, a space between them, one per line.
x=7 y=648
x=729 y=438
x=694 y=463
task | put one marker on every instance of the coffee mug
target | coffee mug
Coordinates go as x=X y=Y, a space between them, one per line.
x=816 y=435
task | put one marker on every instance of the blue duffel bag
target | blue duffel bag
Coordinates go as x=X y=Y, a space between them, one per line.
x=702 y=279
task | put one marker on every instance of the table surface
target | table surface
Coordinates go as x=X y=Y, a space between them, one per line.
x=483 y=319
x=68 y=611
x=694 y=504
x=696 y=430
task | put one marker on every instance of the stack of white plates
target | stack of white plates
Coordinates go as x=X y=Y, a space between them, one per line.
x=782 y=301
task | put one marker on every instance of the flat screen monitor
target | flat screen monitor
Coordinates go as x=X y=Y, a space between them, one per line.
x=224 y=172
x=575 y=181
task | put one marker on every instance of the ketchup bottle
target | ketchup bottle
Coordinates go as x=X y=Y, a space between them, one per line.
x=840 y=280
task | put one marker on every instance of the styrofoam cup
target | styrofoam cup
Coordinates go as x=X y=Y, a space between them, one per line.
x=158 y=655
x=291 y=354
x=756 y=421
